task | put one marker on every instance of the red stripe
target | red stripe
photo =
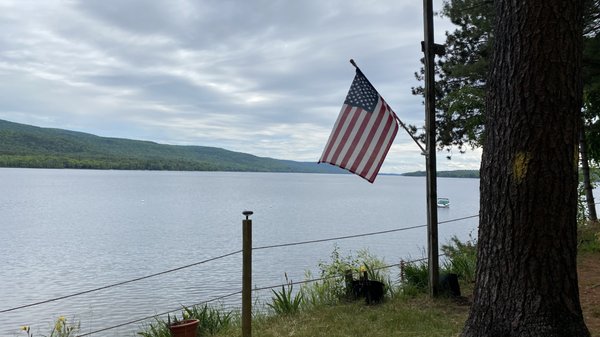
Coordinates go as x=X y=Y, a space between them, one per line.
x=378 y=147
x=335 y=133
x=387 y=149
x=356 y=139
x=347 y=134
x=369 y=139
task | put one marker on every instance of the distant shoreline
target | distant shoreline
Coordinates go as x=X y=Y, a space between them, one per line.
x=446 y=174
x=28 y=146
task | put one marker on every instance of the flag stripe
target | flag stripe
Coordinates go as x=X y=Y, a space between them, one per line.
x=360 y=132
x=336 y=131
x=360 y=158
x=385 y=152
x=360 y=140
x=382 y=147
x=375 y=146
x=349 y=133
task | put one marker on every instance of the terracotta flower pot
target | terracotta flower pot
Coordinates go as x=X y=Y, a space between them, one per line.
x=185 y=328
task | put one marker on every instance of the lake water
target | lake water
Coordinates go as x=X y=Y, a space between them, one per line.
x=67 y=231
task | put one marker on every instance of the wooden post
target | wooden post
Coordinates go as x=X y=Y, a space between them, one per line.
x=429 y=49
x=247 y=275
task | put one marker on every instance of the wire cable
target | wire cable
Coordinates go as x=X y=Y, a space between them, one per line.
x=337 y=238
x=357 y=235
x=156 y=315
x=223 y=256
x=233 y=294
x=459 y=219
x=336 y=276
x=120 y=283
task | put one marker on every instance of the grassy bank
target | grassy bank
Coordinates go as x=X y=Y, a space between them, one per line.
x=402 y=316
x=413 y=317
x=406 y=311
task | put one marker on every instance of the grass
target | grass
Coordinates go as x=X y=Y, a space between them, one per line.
x=400 y=316
x=406 y=314
x=588 y=237
x=406 y=311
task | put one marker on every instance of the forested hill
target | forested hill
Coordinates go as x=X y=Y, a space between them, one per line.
x=447 y=174
x=29 y=146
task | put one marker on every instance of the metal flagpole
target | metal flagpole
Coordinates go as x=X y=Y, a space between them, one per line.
x=430 y=49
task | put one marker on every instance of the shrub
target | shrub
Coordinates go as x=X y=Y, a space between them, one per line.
x=332 y=288
x=461 y=258
x=414 y=277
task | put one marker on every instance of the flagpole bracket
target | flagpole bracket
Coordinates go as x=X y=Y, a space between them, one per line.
x=438 y=49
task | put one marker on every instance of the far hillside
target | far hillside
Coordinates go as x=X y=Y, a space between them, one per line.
x=447 y=174
x=35 y=147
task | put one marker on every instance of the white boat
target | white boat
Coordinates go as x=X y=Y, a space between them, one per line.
x=443 y=202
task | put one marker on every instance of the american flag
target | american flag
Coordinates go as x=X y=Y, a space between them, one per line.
x=363 y=132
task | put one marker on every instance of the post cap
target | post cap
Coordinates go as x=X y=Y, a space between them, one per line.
x=247 y=214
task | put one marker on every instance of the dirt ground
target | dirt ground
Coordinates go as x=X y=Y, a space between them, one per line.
x=589 y=290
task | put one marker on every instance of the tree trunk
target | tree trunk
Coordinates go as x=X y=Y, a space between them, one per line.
x=526 y=272
x=585 y=171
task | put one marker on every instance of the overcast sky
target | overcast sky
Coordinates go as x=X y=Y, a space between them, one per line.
x=262 y=77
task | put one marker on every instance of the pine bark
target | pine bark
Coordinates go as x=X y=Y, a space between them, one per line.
x=526 y=282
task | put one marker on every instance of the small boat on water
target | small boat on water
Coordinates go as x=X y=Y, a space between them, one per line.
x=443 y=202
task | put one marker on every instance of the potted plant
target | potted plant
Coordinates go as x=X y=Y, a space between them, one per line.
x=183 y=328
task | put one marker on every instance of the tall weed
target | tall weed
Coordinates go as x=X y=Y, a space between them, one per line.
x=285 y=302
x=61 y=328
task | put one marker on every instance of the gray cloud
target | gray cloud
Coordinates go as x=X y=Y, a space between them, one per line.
x=260 y=76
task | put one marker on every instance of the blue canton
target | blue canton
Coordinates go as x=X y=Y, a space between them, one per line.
x=362 y=94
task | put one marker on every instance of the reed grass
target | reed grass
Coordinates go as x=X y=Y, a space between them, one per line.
x=285 y=302
x=212 y=320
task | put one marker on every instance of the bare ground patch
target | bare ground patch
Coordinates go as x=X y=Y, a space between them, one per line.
x=589 y=290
